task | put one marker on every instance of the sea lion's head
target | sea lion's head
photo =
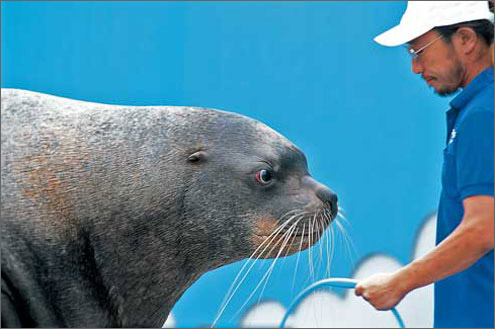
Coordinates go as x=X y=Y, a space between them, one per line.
x=249 y=190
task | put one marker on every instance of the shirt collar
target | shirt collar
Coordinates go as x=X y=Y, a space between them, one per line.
x=478 y=83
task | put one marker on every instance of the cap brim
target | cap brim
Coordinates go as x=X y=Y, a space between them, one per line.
x=400 y=34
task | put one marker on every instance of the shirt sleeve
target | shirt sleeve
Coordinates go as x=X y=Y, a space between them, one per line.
x=474 y=154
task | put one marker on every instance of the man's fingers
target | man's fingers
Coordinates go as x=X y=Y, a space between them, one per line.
x=358 y=290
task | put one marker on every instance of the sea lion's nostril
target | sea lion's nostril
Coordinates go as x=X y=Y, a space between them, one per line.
x=326 y=195
x=323 y=193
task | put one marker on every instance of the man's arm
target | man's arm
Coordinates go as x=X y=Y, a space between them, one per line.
x=472 y=239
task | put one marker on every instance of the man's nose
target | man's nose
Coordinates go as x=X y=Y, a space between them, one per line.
x=417 y=68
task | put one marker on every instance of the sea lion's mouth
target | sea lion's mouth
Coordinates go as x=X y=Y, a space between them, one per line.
x=273 y=239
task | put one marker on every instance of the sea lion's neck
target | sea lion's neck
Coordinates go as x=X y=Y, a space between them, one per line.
x=128 y=274
x=144 y=271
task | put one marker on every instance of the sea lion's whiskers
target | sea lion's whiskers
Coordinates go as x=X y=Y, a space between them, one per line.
x=348 y=244
x=310 y=254
x=309 y=247
x=325 y=225
x=283 y=234
x=294 y=235
x=343 y=241
x=267 y=243
x=295 y=218
x=319 y=231
x=273 y=264
x=325 y=239
x=313 y=223
x=330 y=248
x=340 y=214
x=291 y=212
x=286 y=236
x=328 y=237
x=343 y=219
x=297 y=260
x=341 y=227
x=317 y=245
x=321 y=228
x=228 y=297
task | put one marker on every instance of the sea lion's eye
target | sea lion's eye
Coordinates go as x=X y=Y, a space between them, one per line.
x=196 y=157
x=264 y=176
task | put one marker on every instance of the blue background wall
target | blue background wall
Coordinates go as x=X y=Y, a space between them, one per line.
x=372 y=131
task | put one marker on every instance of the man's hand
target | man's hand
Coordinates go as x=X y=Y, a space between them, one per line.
x=470 y=241
x=382 y=290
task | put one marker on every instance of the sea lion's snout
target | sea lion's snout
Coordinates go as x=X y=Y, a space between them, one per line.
x=326 y=195
x=314 y=208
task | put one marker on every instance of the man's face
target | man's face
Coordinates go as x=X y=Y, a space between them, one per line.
x=438 y=64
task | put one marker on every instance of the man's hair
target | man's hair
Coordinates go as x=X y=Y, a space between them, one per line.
x=482 y=27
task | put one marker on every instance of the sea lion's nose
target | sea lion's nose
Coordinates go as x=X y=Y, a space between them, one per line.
x=328 y=196
x=323 y=193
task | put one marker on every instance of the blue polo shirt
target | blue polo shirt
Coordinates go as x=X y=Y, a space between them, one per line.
x=466 y=299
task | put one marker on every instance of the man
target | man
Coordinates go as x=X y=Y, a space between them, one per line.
x=450 y=47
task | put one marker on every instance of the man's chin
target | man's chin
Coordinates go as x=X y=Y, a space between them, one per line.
x=445 y=91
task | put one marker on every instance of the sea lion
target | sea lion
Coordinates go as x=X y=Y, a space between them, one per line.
x=109 y=213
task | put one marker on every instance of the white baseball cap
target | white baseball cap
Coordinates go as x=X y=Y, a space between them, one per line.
x=422 y=16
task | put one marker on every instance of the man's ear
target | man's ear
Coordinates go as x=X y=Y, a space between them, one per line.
x=466 y=39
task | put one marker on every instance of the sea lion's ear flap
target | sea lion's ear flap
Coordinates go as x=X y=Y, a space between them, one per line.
x=197 y=156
